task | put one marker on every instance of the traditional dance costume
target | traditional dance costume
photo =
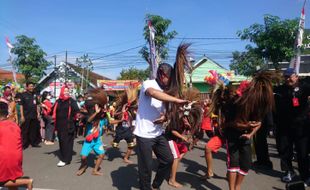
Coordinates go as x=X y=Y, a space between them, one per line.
x=93 y=140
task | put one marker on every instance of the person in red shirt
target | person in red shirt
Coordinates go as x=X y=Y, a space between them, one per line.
x=47 y=118
x=11 y=153
x=214 y=144
x=206 y=120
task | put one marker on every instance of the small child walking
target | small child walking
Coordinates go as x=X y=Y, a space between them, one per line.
x=94 y=130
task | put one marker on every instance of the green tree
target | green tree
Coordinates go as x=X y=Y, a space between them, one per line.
x=246 y=63
x=30 y=59
x=162 y=37
x=134 y=74
x=274 y=39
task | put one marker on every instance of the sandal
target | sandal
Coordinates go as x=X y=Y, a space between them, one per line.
x=206 y=176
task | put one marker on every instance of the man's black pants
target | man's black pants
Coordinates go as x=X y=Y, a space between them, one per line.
x=261 y=145
x=31 y=133
x=160 y=147
x=298 y=137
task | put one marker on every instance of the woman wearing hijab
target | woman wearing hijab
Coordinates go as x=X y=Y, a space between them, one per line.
x=64 y=110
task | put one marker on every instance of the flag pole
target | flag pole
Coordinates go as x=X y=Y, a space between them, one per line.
x=10 y=47
x=152 y=50
x=13 y=69
x=295 y=61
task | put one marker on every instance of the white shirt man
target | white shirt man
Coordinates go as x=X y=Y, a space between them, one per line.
x=149 y=133
x=149 y=110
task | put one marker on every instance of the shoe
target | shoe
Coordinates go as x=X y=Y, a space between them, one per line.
x=288 y=177
x=61 y=164
x=206 y=176
x=48 y=143
x=25 y=147
x=307 y=182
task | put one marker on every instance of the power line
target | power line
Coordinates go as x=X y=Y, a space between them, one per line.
x=107 y=46
x=207 y=38
x=124 y=66
x=116 y=53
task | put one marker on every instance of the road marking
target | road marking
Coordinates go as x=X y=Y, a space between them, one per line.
x=23 y=188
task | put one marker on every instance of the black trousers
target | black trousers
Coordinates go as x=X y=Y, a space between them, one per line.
x=286 y=140
x=65 y=145
x=49 y=128
x=261 y=145
x=31 y=133
x=160 y=147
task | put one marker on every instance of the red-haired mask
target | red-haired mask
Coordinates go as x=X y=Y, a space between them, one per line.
x=242 y=87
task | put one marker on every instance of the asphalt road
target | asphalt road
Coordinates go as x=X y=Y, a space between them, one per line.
x=40 y=164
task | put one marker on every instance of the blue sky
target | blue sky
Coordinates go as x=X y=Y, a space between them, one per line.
x=101 y=27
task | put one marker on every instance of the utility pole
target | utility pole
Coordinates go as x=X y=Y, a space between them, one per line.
x=55 y=75
x=83 y=68
x=78 y=64
x=87 y=75
x=66 y=65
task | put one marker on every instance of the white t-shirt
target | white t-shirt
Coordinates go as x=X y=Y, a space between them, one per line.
x=149 y=109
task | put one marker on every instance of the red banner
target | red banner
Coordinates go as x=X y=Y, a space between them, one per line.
x=117 y=85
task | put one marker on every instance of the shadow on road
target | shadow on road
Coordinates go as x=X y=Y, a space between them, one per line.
x=113 y=153
x=125 y=177
x=193 y=176
x=193 y=167
x=276 y=188
x=272 y=173
x=195 y=182
x=56 y=153
x=91 y=160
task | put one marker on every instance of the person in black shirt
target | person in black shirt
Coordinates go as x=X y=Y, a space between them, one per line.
x=292 y=128
x=64 y=111
x=29 y=118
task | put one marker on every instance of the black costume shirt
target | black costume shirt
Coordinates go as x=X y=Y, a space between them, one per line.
x=63 y=122
x=287 y=112
x=231 y=133
x=29 y=103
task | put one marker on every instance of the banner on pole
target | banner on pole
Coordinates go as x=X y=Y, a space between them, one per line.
x=295 y=61
x=10 y=47
x=152 y=50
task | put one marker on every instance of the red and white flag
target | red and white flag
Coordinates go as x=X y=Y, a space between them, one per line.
x=8 y=43
x=301 y=28
x=295 y=61
x=152 y=49
x=10 y=47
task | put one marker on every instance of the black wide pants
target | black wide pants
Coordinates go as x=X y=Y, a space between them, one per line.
x=160 y=147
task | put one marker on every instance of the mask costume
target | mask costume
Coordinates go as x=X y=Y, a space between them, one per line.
x=126 y=108
x=241 y=113
x=96 y=122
